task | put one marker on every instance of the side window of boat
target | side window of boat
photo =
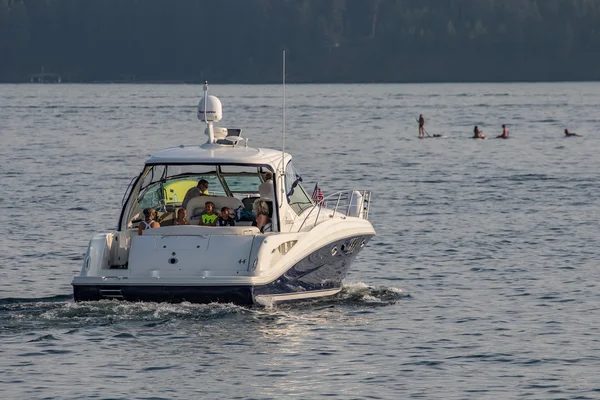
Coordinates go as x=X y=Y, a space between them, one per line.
x=296 y=195
x=148 y=195
x=151 y=197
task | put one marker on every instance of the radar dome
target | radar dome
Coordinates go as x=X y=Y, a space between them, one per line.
x=213 y=111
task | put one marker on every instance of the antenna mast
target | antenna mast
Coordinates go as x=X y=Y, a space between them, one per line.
x=283 y=133
x=283 y=123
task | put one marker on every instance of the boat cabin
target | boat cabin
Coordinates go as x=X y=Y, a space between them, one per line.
x=236 y=178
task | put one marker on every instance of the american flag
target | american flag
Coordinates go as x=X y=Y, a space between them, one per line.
x=317 y=194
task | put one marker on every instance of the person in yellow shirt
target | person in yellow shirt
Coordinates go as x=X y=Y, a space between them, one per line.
x=208 y=217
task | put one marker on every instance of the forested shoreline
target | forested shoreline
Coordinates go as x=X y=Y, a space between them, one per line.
x=240 y=41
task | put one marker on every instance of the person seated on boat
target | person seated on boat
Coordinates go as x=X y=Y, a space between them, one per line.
x=201 y=189
x=148 y=222
x=568 y=134
x=504 y=133
x=265 y=189
x=181 y=217
x=208 y=217
x=477 y=133
x=225 y=219
x=262 y=220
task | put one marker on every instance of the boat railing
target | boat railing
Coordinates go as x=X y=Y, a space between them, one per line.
x=349 y=203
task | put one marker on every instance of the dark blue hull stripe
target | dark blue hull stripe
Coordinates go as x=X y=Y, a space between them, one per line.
x=241 y=295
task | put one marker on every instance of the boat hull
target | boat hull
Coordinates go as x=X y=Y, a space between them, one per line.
x=319 y=274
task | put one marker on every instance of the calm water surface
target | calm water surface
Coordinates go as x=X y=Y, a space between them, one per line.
x=482 y=281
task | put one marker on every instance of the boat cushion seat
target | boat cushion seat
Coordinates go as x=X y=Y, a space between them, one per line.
x=196 y=230
x=195 y=205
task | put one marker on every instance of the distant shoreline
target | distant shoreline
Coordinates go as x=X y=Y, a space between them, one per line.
x=200 y=82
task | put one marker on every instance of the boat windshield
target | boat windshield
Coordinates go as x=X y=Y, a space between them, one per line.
x=165 y=186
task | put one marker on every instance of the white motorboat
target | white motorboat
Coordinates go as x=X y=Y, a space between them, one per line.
x=303 y=253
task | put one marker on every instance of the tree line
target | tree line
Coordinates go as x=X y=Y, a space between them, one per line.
x=240 y=41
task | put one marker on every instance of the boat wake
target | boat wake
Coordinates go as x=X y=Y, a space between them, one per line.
x=356 y=295
x=363 y=293
x=24 y=314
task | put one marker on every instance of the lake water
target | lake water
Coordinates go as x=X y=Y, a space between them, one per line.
x=482 y=281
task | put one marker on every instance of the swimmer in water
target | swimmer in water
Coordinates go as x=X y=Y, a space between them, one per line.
x=477 y=134
x=505 y=133
x=569 y=134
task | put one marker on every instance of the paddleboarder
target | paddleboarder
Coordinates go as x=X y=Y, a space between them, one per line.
x=421 y=122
